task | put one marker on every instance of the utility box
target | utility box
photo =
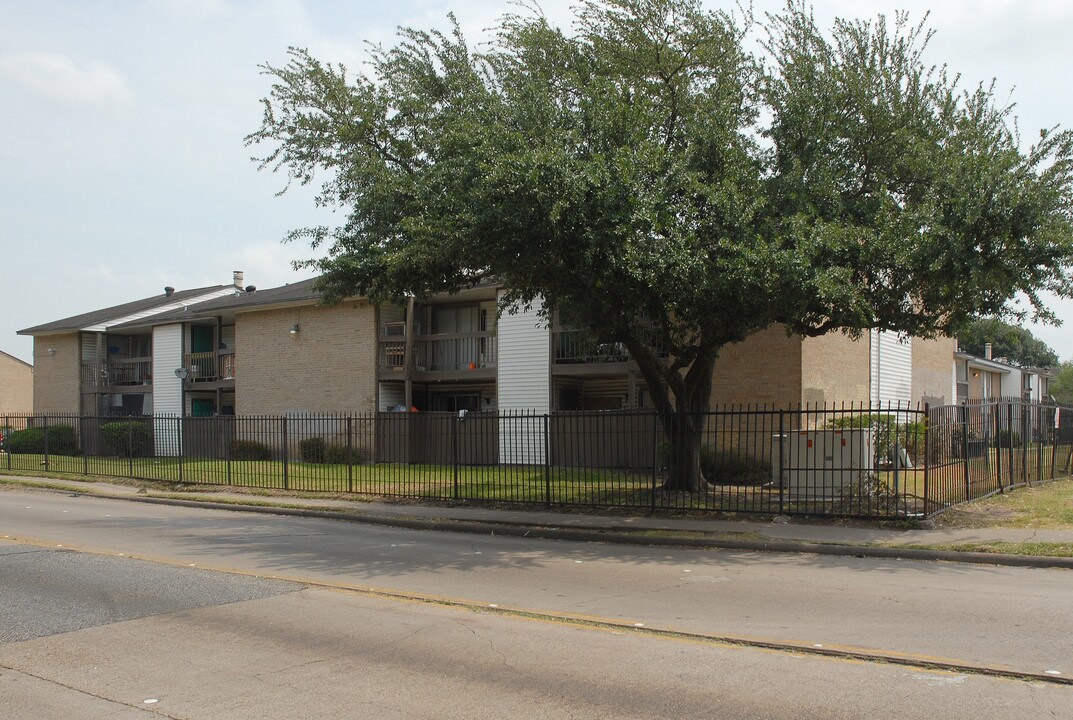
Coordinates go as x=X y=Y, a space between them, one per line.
x=821 y=464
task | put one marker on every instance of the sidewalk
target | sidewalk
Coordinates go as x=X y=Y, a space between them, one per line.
x=760 y=534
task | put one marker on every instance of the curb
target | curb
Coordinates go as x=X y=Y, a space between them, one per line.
x=615 y=535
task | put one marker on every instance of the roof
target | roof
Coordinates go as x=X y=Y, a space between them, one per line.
x=18 y=360
x=99 y=317
x=286 y=294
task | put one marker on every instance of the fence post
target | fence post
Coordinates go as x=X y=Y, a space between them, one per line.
x=782 y=470
x=454 y=454
x=965 y=449
x=1054 y=439
x=1039 y=446
x=182 y=446
x=927 y=453
x=349 y=455
x=1024 y=443
x=286 y=476
x=7 y=439
x=232 y=424
x=82 y=437
x=998 y=448
x=130 y=449
x=46 y=442
x=1009 y=450
x=655 y=456
x=547 y=461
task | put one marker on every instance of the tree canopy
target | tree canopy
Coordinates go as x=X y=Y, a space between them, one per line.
x=646 y=173
x=1014 y=343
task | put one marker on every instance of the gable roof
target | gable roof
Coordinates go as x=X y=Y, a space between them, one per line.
x=18 y=360
x=102 y=316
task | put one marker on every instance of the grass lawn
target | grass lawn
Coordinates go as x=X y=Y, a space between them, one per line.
x=1047 y=506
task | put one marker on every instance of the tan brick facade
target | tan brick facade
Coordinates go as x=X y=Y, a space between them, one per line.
x=329 y=366
x=764 y=369
x=57 y=373
x=16 y=385
x=835 y=369
x=933 y=378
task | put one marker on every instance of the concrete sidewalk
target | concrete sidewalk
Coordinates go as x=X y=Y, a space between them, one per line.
x=759 y=534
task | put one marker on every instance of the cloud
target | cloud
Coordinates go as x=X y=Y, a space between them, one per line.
x=57 y=78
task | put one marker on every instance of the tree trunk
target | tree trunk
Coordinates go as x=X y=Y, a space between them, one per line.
x=684 y=431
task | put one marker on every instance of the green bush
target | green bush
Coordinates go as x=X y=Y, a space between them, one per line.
x=62 y=440
x=126 y=438
x=724 y=467
x=337 y=455
x=732 y=467
x=313 y=450
x=888 y=432
x=250 y=450
x=1004 y=437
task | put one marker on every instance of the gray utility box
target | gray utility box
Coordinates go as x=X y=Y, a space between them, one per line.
x=820 y=464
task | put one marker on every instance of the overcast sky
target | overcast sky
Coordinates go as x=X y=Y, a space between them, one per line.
x=122 y=167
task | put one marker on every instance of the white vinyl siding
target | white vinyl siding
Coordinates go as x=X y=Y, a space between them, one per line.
x=392 y=394
x=158 y=309
x=167 y=388
x=523 y=381
x=891 y=368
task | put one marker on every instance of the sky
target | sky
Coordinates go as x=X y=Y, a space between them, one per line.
x=122 y=162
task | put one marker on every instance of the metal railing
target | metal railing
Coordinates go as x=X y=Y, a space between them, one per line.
x=456 y=351
x=210 y=366
x=890 y=461
x=581 y=346
x=131 y=371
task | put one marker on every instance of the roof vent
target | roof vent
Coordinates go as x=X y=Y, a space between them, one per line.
x=238 y=276
x=251 y=288
x=168 y=291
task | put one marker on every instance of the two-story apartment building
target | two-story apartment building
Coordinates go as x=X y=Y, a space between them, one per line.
x=232 y=350
x=16 y=384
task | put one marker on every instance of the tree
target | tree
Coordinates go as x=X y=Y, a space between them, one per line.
x=647 y=175
x=1012 y=342
x=1061 y=387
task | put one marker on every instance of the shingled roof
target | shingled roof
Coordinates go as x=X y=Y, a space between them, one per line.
x=101 y=317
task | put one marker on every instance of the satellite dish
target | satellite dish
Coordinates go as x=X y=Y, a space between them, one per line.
x=181 y=373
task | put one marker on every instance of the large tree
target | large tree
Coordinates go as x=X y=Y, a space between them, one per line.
x=1008 y=341
x=653 y=180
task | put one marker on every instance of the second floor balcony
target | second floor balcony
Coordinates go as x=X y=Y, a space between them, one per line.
x=210 y=366
x=458 y=353
x=125 y=372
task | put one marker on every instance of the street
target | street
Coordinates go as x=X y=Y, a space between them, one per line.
x=320 y=618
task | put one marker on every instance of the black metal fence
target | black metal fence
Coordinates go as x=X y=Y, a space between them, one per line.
x=889 y=461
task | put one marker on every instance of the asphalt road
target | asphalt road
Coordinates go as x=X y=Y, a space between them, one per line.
x=207 y=644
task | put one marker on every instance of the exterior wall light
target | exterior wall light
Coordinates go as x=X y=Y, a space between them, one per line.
x=294 y=329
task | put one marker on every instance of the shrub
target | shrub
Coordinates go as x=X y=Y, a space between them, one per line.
x=888 y=432
x=126 y=438
x=725 y=467
x=62 y=440
x=732 y=467
x=250 y=450
x=313 y=450
x=1008 y=438
x=337 y=455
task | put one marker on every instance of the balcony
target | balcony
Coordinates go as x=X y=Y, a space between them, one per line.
x=210 y=366
x=580 y=352
x=459 y=354
x=118 y=373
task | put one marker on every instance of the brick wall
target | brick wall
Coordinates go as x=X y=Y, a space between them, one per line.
x=765 y=368
x=16 y=385
x=328 y=367
x=933 y=362
x=835 y=369
x=58 y=375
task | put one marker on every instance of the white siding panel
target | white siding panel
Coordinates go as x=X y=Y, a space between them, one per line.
x=167 y=389
x=170 y=307
x=392 y=394
x=523 y=382
x=892 y=368
x=227 y=337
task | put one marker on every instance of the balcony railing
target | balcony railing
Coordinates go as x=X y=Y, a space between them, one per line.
x=131 y=371
x=210 y=366
x=441 y=353
x=580 y=346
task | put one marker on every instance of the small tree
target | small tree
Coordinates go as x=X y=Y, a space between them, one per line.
x=648 y=176
x=1014 y=343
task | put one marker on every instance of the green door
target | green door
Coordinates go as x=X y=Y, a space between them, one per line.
x=201 y=338
x=202 y=407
